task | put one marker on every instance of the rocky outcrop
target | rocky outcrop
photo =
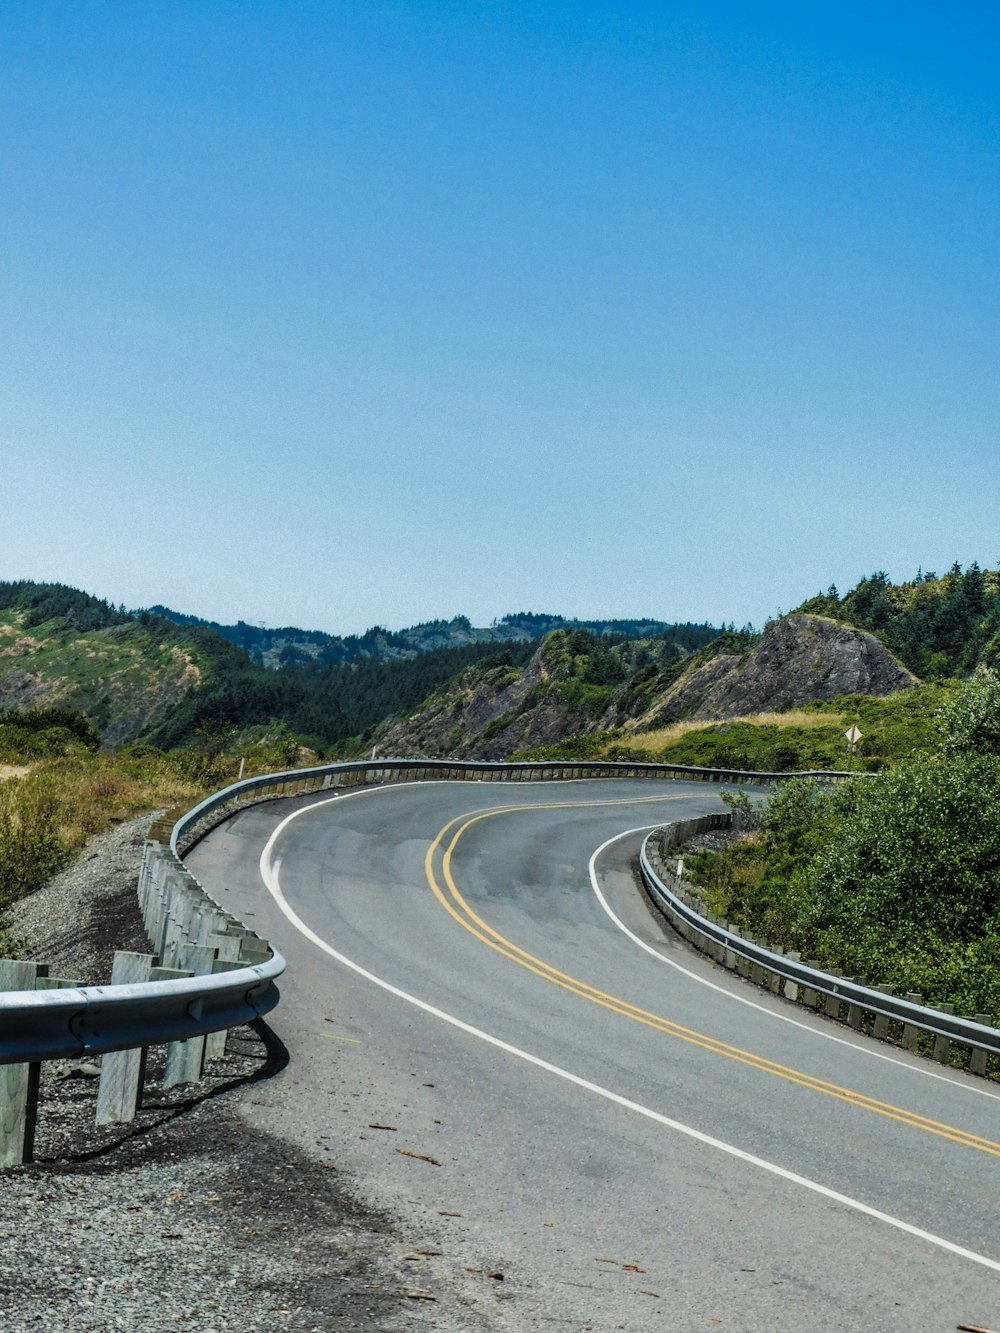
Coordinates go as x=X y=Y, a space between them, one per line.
x=797 y=660
x=493 y=713
x=488 y=715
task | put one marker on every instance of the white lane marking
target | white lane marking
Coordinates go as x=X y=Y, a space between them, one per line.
x=861 y=1047
x=269 y=874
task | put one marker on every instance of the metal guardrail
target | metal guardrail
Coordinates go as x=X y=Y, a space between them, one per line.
x=301 y=781
x=207 y=976
x=209 y=973
x=77 y=1021
x=785 y=973
x=72 y=1023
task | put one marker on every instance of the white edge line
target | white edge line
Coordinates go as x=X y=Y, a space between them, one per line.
x=862 y=1047
x=269 y=875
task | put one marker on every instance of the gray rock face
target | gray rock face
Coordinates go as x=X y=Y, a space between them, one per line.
x=799 y=659
x=506 y=711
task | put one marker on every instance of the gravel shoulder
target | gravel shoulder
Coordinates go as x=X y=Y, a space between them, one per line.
x=188 y=1217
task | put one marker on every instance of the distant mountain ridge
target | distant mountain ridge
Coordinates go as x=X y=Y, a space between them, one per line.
x=447 y=687
x=168 y=679
x=291 y=646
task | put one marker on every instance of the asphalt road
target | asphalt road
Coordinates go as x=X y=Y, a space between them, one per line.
x=632 y=1137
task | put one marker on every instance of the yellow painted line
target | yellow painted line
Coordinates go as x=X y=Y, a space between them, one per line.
x=462 y=913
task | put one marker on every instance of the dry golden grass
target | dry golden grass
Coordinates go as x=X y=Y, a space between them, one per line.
x=98 y=791
x=652 y=742
x=795 y=717
x=13 y=771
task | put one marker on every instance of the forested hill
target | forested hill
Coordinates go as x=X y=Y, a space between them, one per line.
x=344 y=702
x=164 y=677
x=291 y=646
x=143 y=676
x=940 y=627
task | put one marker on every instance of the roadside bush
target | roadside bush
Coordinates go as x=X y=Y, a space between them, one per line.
x=894 y=877
x=970 y=721
x=918 y=852
x=32 y=849
x=44 y=733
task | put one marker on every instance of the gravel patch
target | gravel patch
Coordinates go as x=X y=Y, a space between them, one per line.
x=77 y=921
x=188 y=1218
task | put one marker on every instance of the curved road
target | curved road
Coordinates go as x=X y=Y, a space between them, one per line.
x=633 y=1137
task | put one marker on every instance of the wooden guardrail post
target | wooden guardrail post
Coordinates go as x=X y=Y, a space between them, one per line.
x=122 y=1072
x=185 y=1059
x=911 y=1032
x=18 y=1083
x=176 y=1054
x=855 y=1011
x=881 y=1029
x=942 y=1045
x=791 y=988
x=810 y=996
x=774 y=979
x=977 y=1056
x=729 y=957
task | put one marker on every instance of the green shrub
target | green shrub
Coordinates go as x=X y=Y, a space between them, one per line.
x=895 y=877
x=44 y=733
x=970 y=721
x=31 y=847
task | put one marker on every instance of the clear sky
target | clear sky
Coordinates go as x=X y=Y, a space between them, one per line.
x=335 y=314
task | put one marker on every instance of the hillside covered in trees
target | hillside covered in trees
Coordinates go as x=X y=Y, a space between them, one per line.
x=290 y=646
x=163 y=679
x=938 y=627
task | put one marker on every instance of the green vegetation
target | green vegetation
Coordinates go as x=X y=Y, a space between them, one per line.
x=65 y=789
x=896 y=876
x=119 y=673
x=588 y=745
x=938 y=627
x=970 y=723
x=44 y=733
x=42 y=602
x=290 y=646
x=32 y=848
x=894 y=728
x=161 y=677
x=333 y=708
x=48 y=813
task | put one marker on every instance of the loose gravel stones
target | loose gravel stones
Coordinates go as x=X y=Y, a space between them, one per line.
x=187 y=1218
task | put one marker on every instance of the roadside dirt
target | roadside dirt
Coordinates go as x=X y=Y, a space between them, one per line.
x=187 y=1217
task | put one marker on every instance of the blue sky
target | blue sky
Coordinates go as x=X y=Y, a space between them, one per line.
x=338 y=314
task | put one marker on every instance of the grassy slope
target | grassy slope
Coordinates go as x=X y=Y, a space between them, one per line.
x=118 y=676
x=49 y=809
x=813 y=737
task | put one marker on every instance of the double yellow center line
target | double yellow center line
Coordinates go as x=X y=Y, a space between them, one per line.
x=456 y=906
